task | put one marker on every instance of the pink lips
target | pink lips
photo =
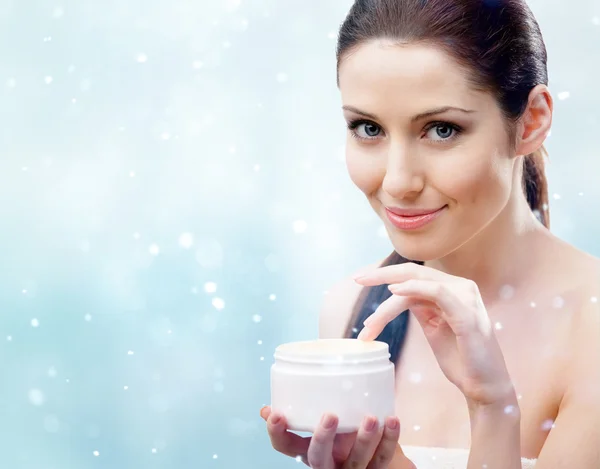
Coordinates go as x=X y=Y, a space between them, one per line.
x=412 y=219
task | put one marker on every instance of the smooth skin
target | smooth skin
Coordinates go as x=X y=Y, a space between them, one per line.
x=507 y=330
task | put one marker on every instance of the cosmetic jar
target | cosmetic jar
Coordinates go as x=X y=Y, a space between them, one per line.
x=349 y=378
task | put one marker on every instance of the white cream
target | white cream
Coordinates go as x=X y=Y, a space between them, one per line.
x=350 y=378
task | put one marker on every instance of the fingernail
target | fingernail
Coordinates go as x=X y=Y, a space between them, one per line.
x=393 y=423
x=393 y=288
x=329 y=421
x=358 y=277
x=370 y=424
x=364 y=334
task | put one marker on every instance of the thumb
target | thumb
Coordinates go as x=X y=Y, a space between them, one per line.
x=265 y=412
x=401 y=460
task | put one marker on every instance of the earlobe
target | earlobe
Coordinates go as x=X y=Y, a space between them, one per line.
x=536 y=121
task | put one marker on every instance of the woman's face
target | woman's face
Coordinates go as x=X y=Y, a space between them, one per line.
x=420 y=138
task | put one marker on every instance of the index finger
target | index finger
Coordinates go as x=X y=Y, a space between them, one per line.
x=399 y=273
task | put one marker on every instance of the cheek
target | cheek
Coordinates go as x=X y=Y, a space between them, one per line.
x=480 y=179
x=364 y=171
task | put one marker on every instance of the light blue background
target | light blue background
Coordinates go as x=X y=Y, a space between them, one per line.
x=150 y=147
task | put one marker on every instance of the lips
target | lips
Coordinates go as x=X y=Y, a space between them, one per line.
x=412 y=219
x=412 y=212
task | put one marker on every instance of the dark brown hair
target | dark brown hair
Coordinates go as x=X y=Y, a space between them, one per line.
x=499 y=42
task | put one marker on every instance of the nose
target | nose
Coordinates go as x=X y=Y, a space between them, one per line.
x=404 y=176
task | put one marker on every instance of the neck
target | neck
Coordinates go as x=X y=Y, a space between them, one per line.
x=500 y=254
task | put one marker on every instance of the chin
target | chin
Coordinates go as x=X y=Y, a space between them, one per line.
x=421 y=248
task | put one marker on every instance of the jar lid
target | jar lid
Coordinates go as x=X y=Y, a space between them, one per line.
x=333 y=350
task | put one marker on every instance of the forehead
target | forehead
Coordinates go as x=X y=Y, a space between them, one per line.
x=381 y=75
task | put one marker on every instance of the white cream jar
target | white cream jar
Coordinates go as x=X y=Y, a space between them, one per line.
x=350 y=378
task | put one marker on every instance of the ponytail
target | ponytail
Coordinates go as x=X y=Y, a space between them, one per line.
x=536 y=185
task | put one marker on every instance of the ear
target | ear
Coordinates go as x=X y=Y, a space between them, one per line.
x=534 y=125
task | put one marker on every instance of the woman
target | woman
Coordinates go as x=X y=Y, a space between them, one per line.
x=498 y=359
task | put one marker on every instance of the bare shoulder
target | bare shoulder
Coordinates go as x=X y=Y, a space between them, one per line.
x=338 y=305
x=584 y=364
x=576 y=425
x=583 y=271
x=588 y=313
x=585 y=331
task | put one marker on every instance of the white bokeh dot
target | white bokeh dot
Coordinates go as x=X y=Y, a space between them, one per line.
x=558 y=302
x=300 y=226
x=186 y=240
x=547 y=425
x=218 y=303
x=36 y=397
x=507 y=292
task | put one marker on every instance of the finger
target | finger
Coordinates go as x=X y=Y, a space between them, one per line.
x=367 y=439
x=342 y=445
x=385 y=313
x=265 y=412
x=461 y=319
x=392 y=307
x=320 y=451
x=284 y=441
x=388 y=446
x=398 y=273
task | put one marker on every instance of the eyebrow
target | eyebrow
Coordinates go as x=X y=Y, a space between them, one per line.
x=423 y=115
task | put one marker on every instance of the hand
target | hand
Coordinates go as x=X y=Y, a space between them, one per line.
x=455 y=322
x=369 y=448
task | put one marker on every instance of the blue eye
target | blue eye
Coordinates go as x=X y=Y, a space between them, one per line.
x=364 y=130
x=442 y=131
